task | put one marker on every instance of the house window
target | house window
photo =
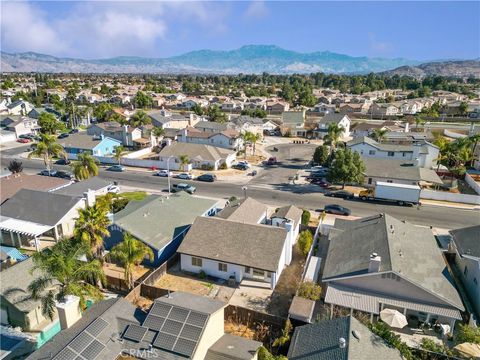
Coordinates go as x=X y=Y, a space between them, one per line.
x=371 y=152
x=196 y=262
x=389 y=181
x=269 y=274
x=465 y=271
x=247 y=269
x=403 y=154
x=369 y=181
x=391 y=153
x=222 y=267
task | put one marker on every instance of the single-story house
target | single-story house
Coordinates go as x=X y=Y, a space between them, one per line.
x=228 y=249
x=465 y=244
x=249 y=211
x=211 y=126
x=31 y=213
x=333 y=118
x=97 y=146
x=177 y=326
x=98 y=185
x=422 y=154
x=380 y=262
x=13 y=183
x=227 y=139
x=199 y=156
x=343 y=338
x=398 y=172
x=160 y=222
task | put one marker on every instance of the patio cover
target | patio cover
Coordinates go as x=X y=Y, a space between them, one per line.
x=23 y=227
x=358 y=300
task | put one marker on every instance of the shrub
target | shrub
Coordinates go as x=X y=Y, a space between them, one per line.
x=223 y=166
x=468 y=334
x=305 y=241
x=309 y=290
x=207 y=167
x=305 y=217
x=202 y=274
x=15 y=167
x=232 y=198
x=119 y=204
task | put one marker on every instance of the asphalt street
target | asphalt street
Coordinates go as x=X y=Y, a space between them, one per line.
x=273 y=187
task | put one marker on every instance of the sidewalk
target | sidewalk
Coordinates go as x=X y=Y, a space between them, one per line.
x=449 y=204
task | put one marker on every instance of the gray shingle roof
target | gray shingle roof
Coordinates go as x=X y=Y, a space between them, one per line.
x=467 y=240
x=193 y=302
x=211 y=125
x=31 y=205
x=247 y=211
x=320 y=341
x=79 y=188
x=257 y=246
x=157 y=220
x=198 y=152
x=380 y=146
x=402 y=247
x=332 y=118
x=230 y=347
x=81 y=141
x=289 y=212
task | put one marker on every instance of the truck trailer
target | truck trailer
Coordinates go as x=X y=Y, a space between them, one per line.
x=401 y=194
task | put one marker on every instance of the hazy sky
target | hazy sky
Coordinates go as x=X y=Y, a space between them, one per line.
x=94 y=29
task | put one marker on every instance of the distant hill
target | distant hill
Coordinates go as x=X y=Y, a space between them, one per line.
x=247 y=59
x=461 y=69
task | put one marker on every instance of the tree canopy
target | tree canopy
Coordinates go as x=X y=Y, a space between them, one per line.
x=347 y=167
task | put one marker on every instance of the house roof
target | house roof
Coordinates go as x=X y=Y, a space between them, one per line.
x=199 y=152
x=467 y=240
x=320 y=341
x=244 y=119
x=10 y=185
x=247 y=211
x=289 y=212
x=211 y=125
x=79 y=188
x=157 y=220
x=257 y=246
x=380 y=146
x=112 y=126
x=301 y=308
x=332 y=118
x=399 y=169
x=30 y=205
x=192 y=302
x=230 y=347
x=83 y=141
x=402 y=248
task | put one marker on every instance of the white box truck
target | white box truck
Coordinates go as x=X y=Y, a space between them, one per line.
x=402 y=194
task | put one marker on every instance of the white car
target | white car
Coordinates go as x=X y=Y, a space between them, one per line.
x=114 y=189
x=185 y=176
x=164 y=173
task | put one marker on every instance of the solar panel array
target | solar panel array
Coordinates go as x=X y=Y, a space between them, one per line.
x=179 y=329
x=135 y=332
x=85 y=346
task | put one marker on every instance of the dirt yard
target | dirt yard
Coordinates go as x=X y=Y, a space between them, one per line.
x=116 y=271
x=185 y=283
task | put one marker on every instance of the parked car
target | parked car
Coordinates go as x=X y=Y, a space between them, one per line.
x=242 y=167
x=184 y=176
x=64 y=175
x=23 y=141
x=63 y=136
x=316 y=176
x=183 y=187
x=320 y=182
x=243 y=162
x=337 y=210
x=164 y=173
x=317 y=168
x=114 y=189
x=207 y=177
x=48 y=172
x=73 y=131
x=118 y=168
x=271 y=161
x=63 y=162
x=26 y=136
x=340 y=194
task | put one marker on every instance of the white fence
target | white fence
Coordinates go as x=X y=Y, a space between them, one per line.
x=448 y=196
x=453 y=135
x=139 y=153
x=472 y=183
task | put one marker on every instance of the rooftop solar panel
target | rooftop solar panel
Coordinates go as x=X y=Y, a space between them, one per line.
x=79 y=358
x=178 y=314
x=154 y=322
x=135 y=332
x=159 y=309
x=197 y=319
x=93 y=350
x=191 y=332
x=97 y=327
x=164 y=341
x=65 y=354
x=185 y=347
x=81 y=342
x=172 y=327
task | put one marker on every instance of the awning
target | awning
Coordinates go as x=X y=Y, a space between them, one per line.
x=359 y=300
x=23 y=227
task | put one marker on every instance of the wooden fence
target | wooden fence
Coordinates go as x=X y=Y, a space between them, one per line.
x=247 y=316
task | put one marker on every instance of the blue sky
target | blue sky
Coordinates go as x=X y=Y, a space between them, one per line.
x=409 y=29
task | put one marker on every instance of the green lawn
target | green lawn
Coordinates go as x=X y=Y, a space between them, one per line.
x=133 y=195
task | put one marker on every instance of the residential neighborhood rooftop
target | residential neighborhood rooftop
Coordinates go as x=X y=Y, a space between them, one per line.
x=467 y=240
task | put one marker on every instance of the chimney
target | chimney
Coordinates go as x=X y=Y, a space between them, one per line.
x=342 y=343
x=374 y=263
x=68 y=311
x=89 y=196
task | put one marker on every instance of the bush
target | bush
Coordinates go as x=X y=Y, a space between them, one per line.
x=202 y=274
x=305 y=241
x=119 y=204
x=232 y=198
x=310 y=290
x=468 y=334
x=207 y=167
x=305 y=217
x=223 y=166
x=264 y=354
x=15 y=167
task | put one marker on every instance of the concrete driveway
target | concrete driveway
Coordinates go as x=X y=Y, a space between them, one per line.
x=253 y=295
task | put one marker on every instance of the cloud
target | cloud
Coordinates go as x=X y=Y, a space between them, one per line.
x=256 y=10
x=379 y=47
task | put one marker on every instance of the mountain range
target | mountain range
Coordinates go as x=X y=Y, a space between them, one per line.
x=247 y=59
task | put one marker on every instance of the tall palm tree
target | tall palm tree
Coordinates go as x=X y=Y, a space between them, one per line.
x=158 y=132
x=255 y=138
x=62 y=273
x=246 y=137
x=85 y=166
x=184 y=160
x=47 y=148
x=474 y=139
x=130 y=252
x=379 y=134
x=118 y=153
x=334 y=133
x=91 y=227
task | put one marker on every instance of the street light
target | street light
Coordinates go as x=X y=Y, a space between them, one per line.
x=244 y=188
x=168 y=172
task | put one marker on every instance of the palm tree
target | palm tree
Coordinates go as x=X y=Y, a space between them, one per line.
x=474 y=139
x=130 y=253
x=47 y=148
x=118 y=153
x=91 y=227
x=184 y=160
x=335 y=131
x=255 y=137
x=246 y=137
x=85 y=166
x=379 y=134
x=62 y=274
x=158 y=132
x=140 y=118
